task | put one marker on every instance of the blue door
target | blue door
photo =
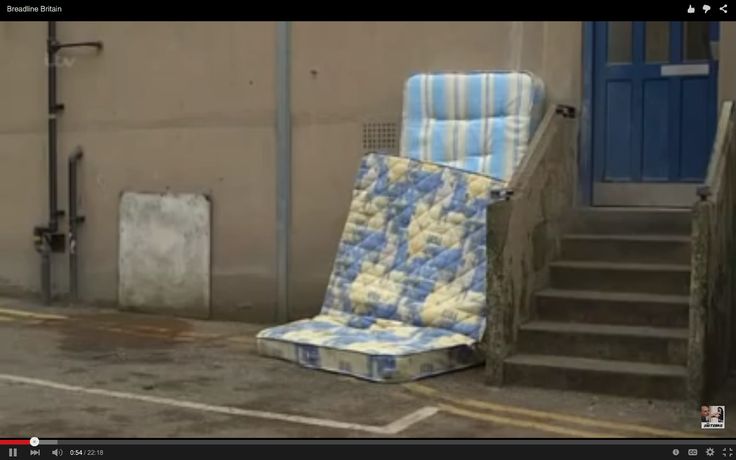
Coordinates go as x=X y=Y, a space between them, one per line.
x=654 y=103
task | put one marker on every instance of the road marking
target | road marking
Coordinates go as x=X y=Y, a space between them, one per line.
x=540 y=426
x=591 y=422
x=405 y=422
x=392 y=428
x=28 y=314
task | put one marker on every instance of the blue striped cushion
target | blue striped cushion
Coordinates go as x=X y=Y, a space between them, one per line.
x=479 y=122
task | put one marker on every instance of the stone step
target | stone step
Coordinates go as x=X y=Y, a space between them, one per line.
x=623 y=378
x=604 y=341
x=614 y=220
x=602 y=307
x=663 y=249
x=671 y=279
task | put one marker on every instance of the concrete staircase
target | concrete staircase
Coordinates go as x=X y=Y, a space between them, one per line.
x=614 y=317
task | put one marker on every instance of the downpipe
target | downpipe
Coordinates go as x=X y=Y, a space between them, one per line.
x=74 y=220
x=47 y=238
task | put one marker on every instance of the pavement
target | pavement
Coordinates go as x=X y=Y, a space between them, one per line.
x=93 y=372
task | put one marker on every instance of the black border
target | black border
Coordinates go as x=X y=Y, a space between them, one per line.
x=293 y=10
x=602 y=449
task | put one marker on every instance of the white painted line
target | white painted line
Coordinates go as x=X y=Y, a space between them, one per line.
x=392 y=428
x=405 y=422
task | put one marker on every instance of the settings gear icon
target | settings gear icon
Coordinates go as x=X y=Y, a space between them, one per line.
x=709 y=452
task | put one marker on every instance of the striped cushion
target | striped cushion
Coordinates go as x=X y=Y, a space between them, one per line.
x=480 y=122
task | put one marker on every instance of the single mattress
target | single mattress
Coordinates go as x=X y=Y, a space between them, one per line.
x=373 y=349
x=481 y=122
x=408 y=286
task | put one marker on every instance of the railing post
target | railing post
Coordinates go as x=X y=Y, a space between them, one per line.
x=498 y=296
x=698 y=302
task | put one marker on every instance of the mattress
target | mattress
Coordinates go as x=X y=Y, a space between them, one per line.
x=406 y=296
x=481 y=121
x=378 y=350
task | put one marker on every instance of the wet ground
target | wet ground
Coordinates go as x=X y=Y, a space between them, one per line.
x=87 y=372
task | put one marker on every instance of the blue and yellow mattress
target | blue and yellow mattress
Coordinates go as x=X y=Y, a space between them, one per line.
x=406 y=297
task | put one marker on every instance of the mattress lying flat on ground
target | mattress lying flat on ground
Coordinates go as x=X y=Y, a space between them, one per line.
x=406 y=297
x=383 y=351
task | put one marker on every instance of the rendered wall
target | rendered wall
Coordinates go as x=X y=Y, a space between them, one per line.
x=186 y=107
x=727 y=70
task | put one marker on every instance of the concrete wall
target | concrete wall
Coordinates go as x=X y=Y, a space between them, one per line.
x=727 y=70
x=524 y=234
x=182 y=106
x=346 y=74
x=190 y=107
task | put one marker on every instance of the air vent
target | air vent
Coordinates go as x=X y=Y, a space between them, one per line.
x=380 y=136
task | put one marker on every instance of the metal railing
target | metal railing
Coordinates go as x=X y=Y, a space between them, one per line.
x=712 y=284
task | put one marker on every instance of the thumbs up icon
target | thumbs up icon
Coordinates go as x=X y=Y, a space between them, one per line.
x=690 y=9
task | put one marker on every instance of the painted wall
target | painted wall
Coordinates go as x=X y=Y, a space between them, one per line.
x=190 y=107
x=182 y=106
x=727 y=70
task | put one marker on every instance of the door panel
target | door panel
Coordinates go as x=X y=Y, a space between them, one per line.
x=618 y=129
x=655 y=147
x=654 y=101
x=695 y=115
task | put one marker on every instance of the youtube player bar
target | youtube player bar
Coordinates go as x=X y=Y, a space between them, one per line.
x=497 y=448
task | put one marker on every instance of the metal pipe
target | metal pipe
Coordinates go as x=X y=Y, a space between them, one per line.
x=46 y=273
x=74 y=220
x=48 y=239
x=53 y=108
x=95 y=44
x=283 y=167
x=44 y=235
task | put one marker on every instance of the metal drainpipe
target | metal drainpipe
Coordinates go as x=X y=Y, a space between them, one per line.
x=53 y=109
x=48 y=239
x=74 y=220
x=283 y=167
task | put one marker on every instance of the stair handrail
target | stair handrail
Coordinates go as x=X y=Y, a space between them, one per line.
x=721 y=144
x=713 y=274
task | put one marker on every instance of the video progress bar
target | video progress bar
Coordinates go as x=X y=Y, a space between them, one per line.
x=526 y=442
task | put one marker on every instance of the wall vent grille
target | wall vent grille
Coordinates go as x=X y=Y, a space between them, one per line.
x=383 y=136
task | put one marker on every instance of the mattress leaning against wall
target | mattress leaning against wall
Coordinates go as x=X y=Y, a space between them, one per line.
x=406 y=297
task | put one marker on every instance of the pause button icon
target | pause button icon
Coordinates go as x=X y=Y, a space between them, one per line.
x=13 y=452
